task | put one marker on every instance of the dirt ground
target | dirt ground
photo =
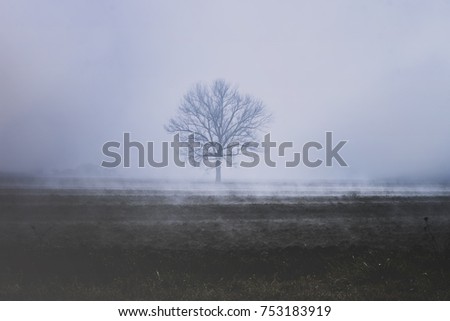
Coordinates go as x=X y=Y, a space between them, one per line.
x=149 y=245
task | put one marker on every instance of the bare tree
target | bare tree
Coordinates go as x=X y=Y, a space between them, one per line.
x=219 y=113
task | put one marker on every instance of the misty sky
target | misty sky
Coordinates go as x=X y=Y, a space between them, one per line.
x=75 y=74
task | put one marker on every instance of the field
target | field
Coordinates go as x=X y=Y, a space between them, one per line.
x=96 y=244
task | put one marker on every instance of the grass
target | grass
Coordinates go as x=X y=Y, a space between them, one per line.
x=284 y=274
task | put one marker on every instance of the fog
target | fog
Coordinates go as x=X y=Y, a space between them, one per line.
x=74 y=75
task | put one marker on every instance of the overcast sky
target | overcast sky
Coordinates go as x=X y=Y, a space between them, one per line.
x=75 y=74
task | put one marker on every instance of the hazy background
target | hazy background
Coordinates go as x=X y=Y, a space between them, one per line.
x=76 y=74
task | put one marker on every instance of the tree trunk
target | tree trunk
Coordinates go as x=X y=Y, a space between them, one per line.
x=218 y=171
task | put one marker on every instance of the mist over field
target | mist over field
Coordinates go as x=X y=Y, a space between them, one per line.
x=75 y=75
x=369 y=222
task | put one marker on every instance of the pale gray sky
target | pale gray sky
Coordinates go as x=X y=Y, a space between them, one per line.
x=74 y=74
